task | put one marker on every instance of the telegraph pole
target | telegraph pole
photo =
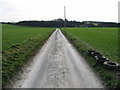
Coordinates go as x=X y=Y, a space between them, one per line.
x=65 y=18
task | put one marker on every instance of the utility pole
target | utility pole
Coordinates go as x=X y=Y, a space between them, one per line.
x=65 y=18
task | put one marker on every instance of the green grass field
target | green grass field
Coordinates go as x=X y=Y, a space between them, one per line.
x=15 y=34
x=104 y=40
x=100 y=39
x=19 y=44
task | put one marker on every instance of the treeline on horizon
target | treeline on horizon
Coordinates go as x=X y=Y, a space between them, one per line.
x=60 y=23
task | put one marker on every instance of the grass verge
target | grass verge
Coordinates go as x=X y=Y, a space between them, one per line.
x=110 y=78
x=15 y=56
x=103 y=39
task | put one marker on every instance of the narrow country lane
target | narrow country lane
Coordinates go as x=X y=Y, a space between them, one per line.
x=58 y=65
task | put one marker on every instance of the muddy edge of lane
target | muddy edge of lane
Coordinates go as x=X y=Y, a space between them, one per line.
x=57 y=65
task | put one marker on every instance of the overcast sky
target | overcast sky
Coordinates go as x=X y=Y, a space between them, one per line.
x=79 y=10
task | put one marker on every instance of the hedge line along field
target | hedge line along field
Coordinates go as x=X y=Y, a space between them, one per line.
x=100 y=39
x=19 y=44
x=13 y=34
x=104 y=40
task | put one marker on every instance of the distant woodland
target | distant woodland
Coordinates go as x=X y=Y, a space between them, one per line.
x=61 y=23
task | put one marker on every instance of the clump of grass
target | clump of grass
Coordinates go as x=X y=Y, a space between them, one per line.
x=109 y=77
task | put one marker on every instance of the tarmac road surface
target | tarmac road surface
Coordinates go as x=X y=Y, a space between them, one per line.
x=58 y=65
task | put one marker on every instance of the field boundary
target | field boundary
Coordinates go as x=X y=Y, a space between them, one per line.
x=110 y=78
